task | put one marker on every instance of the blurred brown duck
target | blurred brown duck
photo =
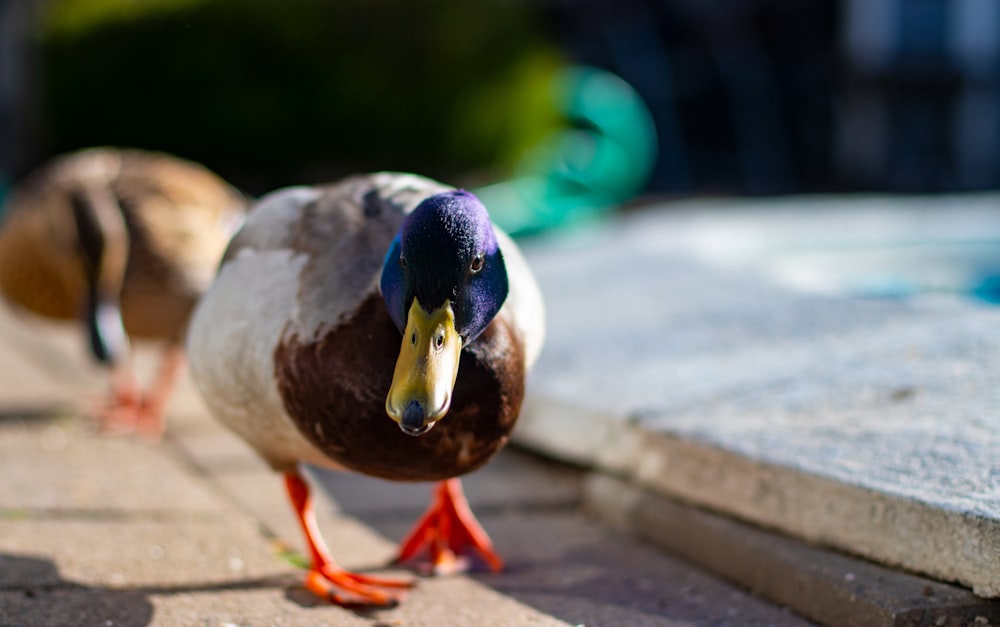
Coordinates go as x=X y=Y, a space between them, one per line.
x=125 y=241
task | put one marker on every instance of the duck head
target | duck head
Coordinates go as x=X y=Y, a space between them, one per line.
x=443 y=281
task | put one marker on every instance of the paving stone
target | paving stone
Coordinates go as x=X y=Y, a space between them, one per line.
x=452 y=602
x=44 y=364
x=247 y=606
x=47 y=369
x=248 y=484
x=212 y=448
x=240 y=478
x=198 y=574
x=586 y=574
x=512 y=480
x=461 y=601
x=135 y=553
x=863 y=423
x=352 y=544
x=566 y=566
x=59 y=464
x=560 y=568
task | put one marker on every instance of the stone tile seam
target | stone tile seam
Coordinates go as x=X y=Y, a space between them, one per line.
x=108 y=515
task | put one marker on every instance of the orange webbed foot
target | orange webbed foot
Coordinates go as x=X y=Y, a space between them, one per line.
x=327 y=580
x=128 y=410
x=126 y=413
x=151 y=420
x=118 y=412
x=342 y=587
x=450 y=534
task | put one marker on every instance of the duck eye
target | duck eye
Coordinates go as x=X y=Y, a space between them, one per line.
x=439 y=340
x=402 y=261
x=477 y=263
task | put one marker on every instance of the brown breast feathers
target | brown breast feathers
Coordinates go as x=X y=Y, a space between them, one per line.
x=334 y=389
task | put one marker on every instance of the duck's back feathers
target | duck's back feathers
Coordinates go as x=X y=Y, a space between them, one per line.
x=342 y=231
x=294 y=349
x=170 y=220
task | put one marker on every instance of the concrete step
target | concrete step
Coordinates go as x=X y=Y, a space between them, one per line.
x=820 y=584
x=864 y=424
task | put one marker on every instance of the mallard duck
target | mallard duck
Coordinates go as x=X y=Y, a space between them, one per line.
x=380 y=325
x=125 y=241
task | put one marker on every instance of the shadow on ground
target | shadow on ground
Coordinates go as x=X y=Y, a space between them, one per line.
x=32 y=592
x=40 y=596
x=36 y=413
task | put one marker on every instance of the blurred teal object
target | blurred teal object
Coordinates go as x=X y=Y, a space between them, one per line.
x=602 y=158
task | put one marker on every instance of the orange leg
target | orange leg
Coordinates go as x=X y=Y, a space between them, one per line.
x=119 y=413
x=151 y=419
x=128 y=410
x=449 y=531
x=325 y=578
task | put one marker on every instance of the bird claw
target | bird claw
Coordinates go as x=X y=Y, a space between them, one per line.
x=444 y=562
x=347 y=588
x=124 y=414
x=450 y=534
x=129 y=410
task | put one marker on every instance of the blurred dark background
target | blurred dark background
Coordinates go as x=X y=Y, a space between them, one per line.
x=746 y=96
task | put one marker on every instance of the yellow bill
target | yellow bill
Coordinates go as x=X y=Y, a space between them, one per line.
x=424 y=377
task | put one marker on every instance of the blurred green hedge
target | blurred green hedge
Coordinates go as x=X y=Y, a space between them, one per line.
x=280 y=90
